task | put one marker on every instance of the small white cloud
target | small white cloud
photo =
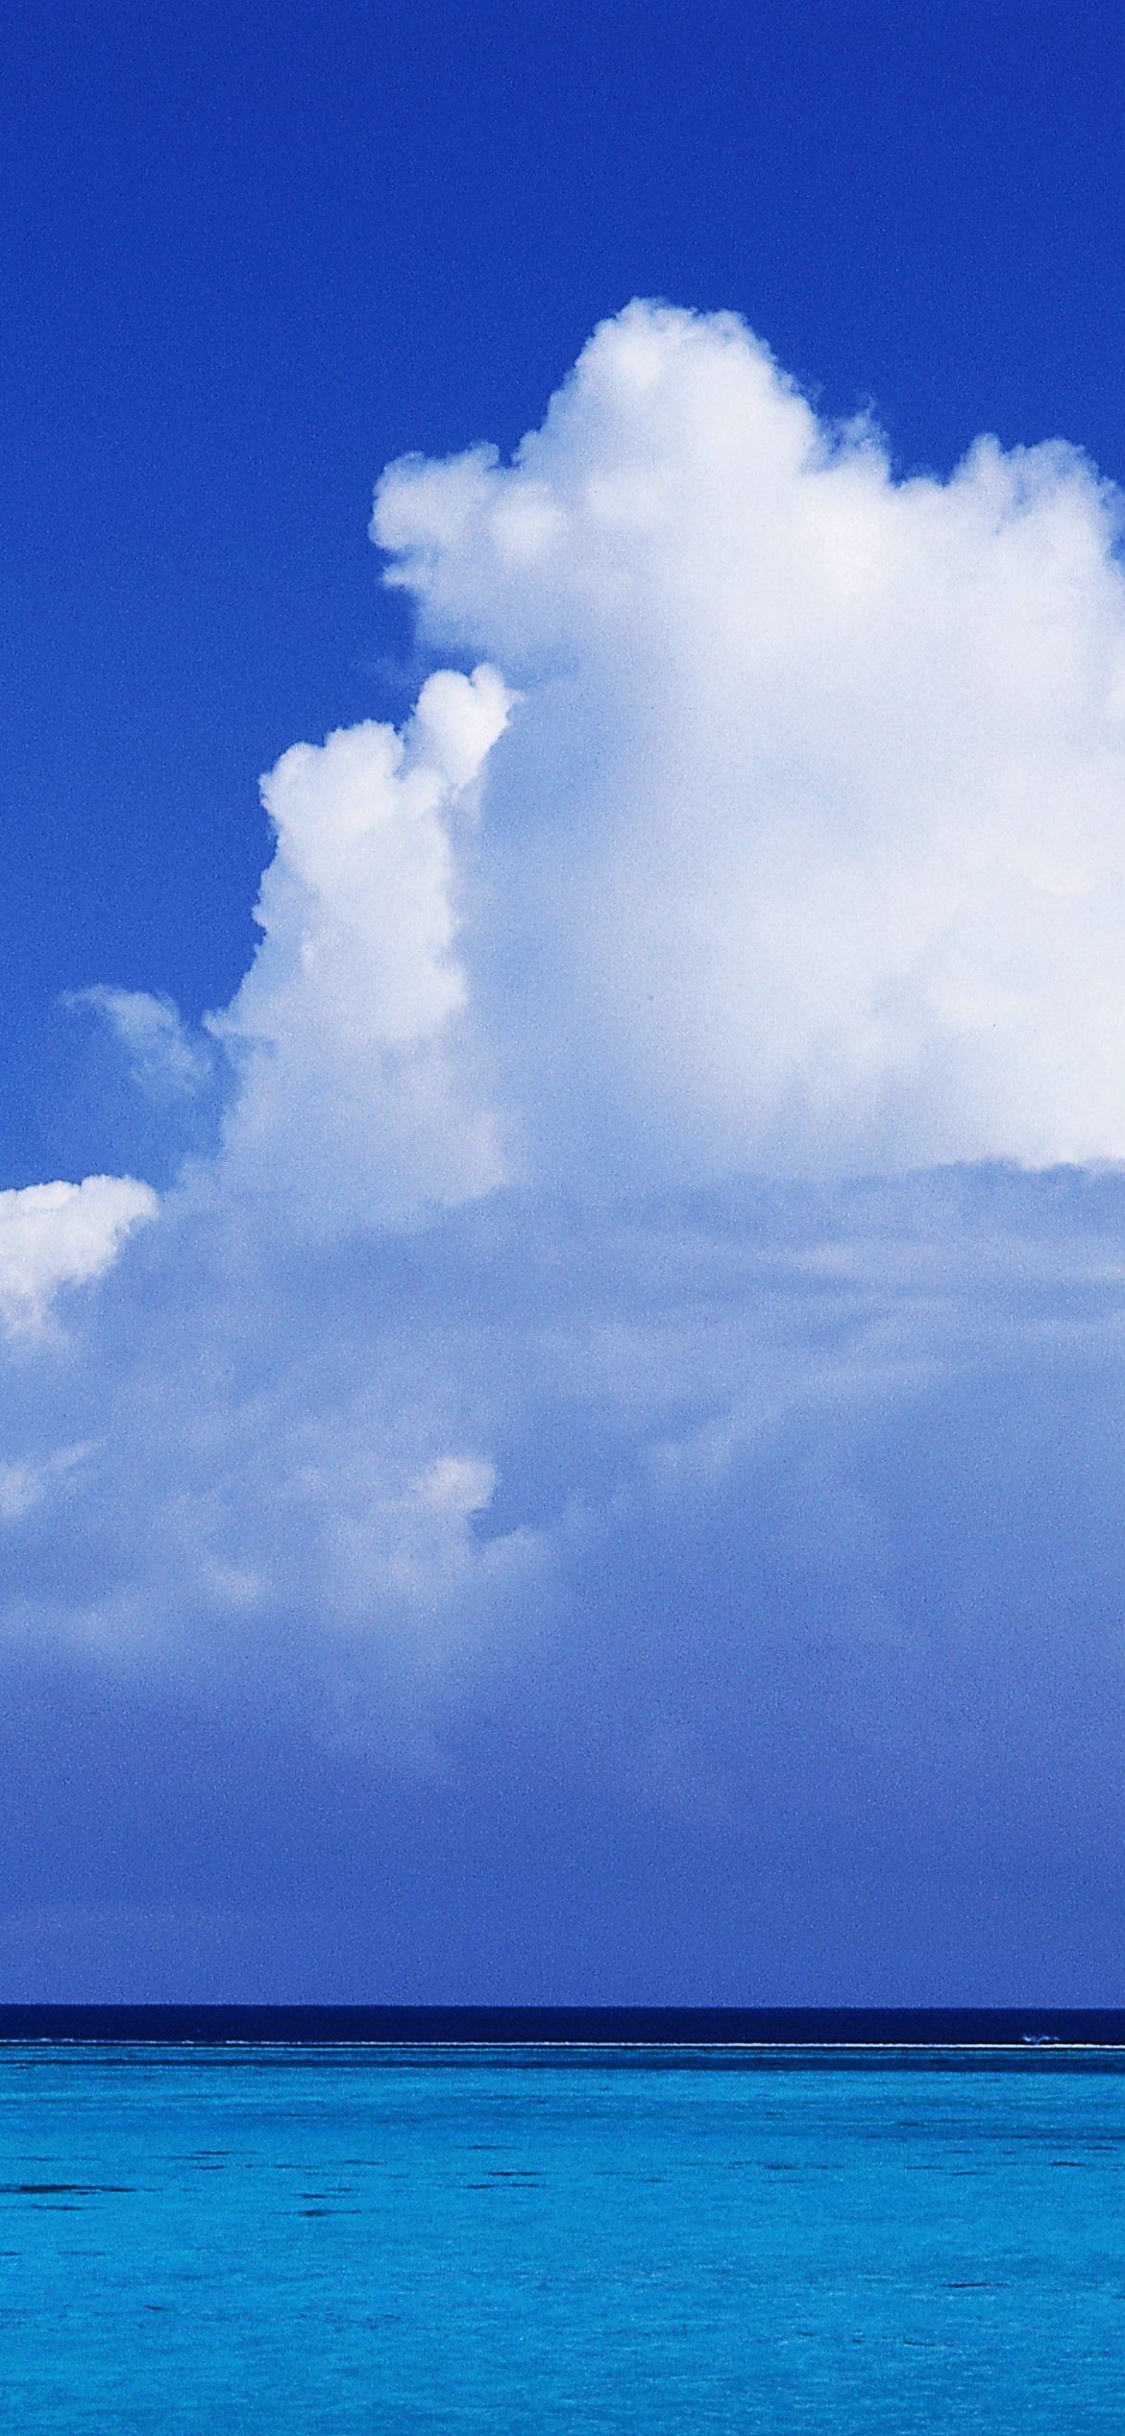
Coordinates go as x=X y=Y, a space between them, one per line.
x=456 y=722
x=457 y=1485
x=54 y=1235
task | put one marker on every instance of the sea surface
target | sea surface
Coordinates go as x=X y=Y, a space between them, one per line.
x=515 y=2241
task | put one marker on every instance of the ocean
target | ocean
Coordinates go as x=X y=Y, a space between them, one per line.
x=626 y=2240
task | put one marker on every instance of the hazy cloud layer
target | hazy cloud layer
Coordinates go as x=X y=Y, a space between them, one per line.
x=619 y=1414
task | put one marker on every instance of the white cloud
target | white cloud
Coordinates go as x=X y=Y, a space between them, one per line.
x=807 y=848
x=361 y=1096
x=800 y=846
x=54 y=1235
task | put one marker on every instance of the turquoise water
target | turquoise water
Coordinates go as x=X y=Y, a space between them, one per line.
x=238 y=2241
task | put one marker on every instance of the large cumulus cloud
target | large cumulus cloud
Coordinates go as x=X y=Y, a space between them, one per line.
x=637 y=1383
x=808 y=838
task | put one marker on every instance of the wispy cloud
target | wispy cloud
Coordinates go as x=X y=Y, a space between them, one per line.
x=165 y=1060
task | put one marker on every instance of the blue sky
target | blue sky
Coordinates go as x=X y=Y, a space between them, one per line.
x=570 y=1444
